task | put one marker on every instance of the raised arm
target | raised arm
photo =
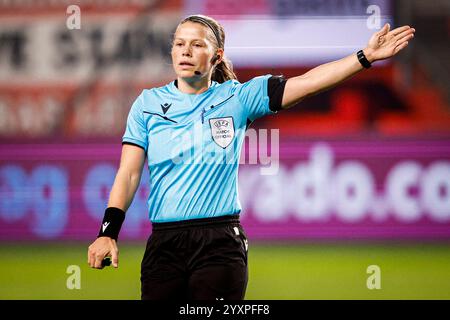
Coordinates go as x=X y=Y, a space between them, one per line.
x=382 y=45
x=122 y=193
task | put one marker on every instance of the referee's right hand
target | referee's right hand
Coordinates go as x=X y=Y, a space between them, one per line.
x=103 y=247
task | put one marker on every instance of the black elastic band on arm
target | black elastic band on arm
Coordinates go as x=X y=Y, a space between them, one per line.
x=112 y=222
x=275 y=91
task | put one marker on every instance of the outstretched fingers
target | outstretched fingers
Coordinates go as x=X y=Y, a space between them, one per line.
x=400 y=47
x=407 y=34
x=399 y=30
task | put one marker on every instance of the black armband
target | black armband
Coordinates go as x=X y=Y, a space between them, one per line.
x=363 y=60
x=112 y=222
x=275 y=91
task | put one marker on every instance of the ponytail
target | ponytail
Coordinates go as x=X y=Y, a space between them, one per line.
x=223 y=71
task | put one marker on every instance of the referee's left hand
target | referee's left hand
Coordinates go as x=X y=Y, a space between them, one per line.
x=101 y=248
x=385 y=44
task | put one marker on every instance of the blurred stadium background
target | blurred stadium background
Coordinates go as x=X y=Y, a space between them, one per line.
x=363 y=177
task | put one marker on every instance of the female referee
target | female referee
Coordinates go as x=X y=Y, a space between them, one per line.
x=191 y=130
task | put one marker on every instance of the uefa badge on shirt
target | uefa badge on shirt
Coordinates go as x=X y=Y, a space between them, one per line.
x=222 y=130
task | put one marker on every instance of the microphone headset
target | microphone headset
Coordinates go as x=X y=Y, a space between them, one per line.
x=213 y=60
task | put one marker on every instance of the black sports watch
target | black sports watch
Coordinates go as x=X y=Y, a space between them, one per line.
x=363 y=60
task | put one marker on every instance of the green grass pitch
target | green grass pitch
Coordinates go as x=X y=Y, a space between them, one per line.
x=290 y=271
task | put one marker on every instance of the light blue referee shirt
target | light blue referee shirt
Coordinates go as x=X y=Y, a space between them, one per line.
x=193 y=144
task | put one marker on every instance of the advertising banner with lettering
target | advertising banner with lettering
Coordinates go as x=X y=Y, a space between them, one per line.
x=336 y=189
x=73 y=68
x=291 y=32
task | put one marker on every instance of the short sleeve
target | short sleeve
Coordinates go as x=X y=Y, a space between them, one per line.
x=136 y=130
x=254 y=97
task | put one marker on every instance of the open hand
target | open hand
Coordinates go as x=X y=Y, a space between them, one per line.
x=385 y=44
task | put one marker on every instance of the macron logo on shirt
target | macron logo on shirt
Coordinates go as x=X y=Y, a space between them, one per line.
x=165 y=107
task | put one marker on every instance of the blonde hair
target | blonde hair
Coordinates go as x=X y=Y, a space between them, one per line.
x=224 y=70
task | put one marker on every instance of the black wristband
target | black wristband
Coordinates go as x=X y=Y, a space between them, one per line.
x=363 y=60
x=112 y=222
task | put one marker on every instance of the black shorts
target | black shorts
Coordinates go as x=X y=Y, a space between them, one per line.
x=200 y=259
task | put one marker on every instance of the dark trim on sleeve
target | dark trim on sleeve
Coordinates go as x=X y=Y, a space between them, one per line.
x=275 y=90
x=133 y=144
